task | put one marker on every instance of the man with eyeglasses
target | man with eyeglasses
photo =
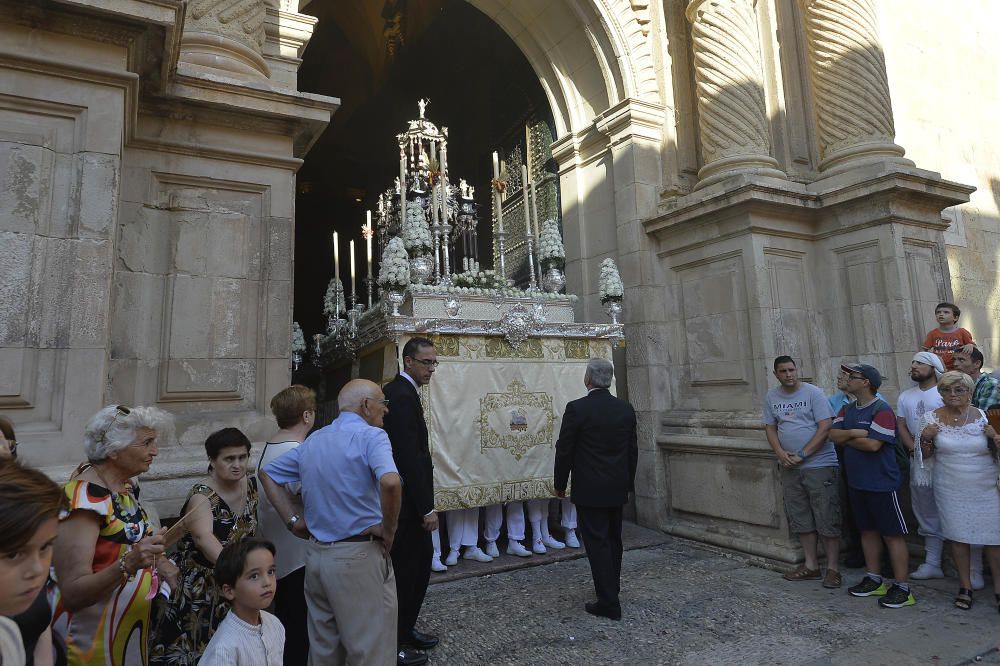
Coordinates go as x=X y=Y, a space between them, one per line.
x=412 y=550
x=351 y=493
x=867 y=430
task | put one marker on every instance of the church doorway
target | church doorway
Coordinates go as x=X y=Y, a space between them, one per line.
x=380 y=57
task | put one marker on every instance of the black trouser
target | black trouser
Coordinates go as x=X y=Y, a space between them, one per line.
x=411 y=559
x=601 y=530
x=290 y=608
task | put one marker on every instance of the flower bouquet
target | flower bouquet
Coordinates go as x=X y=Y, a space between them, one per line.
x=394 y=273
x=551 y=253
x=610 y=286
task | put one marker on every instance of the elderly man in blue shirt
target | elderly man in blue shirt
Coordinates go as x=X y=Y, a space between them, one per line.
x=351 y=493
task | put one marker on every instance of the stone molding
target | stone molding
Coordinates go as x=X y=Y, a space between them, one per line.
x=632 y=118
x=733 y=123
x=628 y=21
x=852 y=106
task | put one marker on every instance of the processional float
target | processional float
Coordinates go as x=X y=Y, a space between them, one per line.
x=510 y=358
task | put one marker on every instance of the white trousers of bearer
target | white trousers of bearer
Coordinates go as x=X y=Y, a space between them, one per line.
x=515 y=521
x=463 y=527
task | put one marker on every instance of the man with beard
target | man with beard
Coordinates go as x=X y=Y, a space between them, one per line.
x=925 y=369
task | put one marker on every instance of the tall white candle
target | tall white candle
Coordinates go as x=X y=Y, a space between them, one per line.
x=368 y=238
x=524 y=199
x=353 y=272
x=496 y=165
x=336 y=256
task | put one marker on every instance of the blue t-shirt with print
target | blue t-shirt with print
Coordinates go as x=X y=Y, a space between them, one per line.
x=875 y=471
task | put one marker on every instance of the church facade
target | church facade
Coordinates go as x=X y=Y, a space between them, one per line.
x=803 y=177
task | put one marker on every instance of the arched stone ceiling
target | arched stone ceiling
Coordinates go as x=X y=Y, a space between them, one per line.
x=589 y=55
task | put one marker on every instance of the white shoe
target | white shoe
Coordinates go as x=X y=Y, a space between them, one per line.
x=927 y=571
x=491 y=549
x=571 y=539
x=553 y=542
x=538 y=547
x=436 y=564
x=452 y=558
x=977 y=580
x=474 y=553
x=515 y=548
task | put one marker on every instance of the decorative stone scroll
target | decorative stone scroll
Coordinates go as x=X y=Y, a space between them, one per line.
x=226 y=35
x=735 y=135
x=847 y=69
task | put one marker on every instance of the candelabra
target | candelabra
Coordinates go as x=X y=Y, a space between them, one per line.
x=532 y=283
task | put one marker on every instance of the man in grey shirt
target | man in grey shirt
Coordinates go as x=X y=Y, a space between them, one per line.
x=797 y=418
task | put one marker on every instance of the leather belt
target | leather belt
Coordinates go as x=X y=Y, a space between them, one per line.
x=354 y=539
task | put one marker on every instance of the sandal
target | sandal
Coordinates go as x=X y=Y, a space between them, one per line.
x=964 y=598
x=802 y=573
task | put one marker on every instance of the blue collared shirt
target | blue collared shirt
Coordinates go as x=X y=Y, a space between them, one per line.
x=339 y=467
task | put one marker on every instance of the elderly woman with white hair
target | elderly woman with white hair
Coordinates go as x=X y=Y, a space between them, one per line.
x=108 y=560
x=965 y=478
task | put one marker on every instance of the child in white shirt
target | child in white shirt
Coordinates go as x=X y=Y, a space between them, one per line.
x=249 y=635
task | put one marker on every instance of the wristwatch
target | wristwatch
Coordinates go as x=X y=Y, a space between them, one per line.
x=801 y=453
x=291 y=521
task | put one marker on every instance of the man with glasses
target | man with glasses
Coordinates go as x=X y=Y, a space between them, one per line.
x=351 y=494
x=413 y=550
x=867 y=430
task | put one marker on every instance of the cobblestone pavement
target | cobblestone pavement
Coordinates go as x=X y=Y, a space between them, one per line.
x=683 y=604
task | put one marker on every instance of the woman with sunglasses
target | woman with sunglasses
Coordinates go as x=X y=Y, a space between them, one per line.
x=964 y=450
x=109 y=562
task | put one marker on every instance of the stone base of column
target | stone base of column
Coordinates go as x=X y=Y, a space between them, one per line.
x=750 y=165
x=861 y=155
x=217 y=52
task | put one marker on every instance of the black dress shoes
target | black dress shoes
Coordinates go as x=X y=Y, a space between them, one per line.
x=595 y=608
x=407 y=657
x=419 y=640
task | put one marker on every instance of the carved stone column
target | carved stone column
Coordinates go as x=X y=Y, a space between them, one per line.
x=733 y=123
x=847 y=69
x=227 y=35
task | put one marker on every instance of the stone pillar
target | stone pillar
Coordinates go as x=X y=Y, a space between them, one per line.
x=847 y=69
x=733 y=123
x=227 y=35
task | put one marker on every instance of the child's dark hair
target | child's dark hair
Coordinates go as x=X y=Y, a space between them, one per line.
x=950 y=306
x=233 y=559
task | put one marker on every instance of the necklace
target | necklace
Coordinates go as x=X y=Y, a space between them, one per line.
x=965 y=421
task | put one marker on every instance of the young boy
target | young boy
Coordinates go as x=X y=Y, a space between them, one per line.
x=948 y=336
x=249 y=635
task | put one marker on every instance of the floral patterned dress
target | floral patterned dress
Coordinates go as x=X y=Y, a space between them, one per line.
x=113 y=632
x=187 y=623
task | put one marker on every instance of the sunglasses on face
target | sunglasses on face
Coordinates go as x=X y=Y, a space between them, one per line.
x=427 y=362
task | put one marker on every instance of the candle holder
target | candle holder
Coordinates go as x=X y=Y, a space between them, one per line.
x=532 y=282
x=369 y=284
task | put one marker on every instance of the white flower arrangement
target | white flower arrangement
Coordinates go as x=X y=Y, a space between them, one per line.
x=416 y=234
x=610 y=285
x=394 y=273
x=479 y=280
x=330 y=299
x=298 y=339
x=509 y=292
x=551 y=253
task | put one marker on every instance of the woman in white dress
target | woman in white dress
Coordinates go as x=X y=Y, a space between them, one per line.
x=964 y=450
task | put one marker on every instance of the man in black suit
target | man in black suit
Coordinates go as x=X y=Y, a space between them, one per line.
x=412 y=549
x=598 y=447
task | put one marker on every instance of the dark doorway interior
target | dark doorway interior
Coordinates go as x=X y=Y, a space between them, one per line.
x=379 y=57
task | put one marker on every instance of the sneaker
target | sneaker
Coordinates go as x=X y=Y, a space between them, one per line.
x=474 y=553
x=868 y=587
x=491 y=549
x=436 y=565
x=452 y=558
x=927 y=571
x=538 y=547
x=977 y=579
x=571 y=539
x=515 y=548
x=897 y=597
x=553 y=542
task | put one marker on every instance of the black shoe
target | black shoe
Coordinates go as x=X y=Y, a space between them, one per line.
x=595 y=608
x=407 y=657
x=419 y=640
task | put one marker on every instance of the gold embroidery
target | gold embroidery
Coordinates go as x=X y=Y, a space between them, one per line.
x=446 y=345
x=512 y=410
x=500 y=348
x=468 y=497
x=577 y=348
